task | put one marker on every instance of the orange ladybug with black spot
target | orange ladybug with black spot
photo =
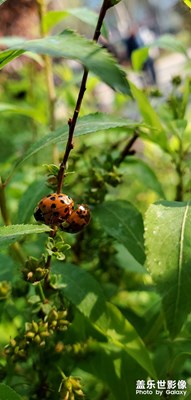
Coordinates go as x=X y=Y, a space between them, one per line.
x=77 y=220
x=54 y=209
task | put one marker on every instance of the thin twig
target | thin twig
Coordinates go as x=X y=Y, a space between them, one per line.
x=72 y=122
x=127 y=151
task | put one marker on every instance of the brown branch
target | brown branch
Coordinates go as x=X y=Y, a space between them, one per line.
x=127 y=151
x=72 y=122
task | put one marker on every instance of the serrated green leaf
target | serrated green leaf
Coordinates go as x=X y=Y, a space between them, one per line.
x=7 y=393
x=88 y=124
x=168 y=237
x=73 y=46
x=86 y=294
x=30 y=200
x=188 y=3
x=123 y=221
x=11 y=233
x=150 y=117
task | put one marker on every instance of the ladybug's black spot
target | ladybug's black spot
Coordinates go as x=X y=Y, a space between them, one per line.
x=62 y=201
x=52 y=198
x=66 y=210
x=60 y=196
x=49 y=195
x=56 y=214
x=39 y=215
x=53 y=205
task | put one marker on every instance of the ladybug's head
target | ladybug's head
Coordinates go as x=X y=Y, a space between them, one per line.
x=39 y=215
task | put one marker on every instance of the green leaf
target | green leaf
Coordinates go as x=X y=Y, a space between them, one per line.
x=7 y=393
x=8 y=234
x=88 y=124
x=30 y=200
x=113 y=3
x=84 y=14
x=168 y=237
x=7 y=56
x=73 y=46
x=139 y=57
x=170 y=42
x=126 y=261
x=86 y=294
x=142 y=171
x=188 y=3
x=150 y=117
x=51 y=18
x=7 y=267
x=2 y=1
x=27 y=111
x=123 y=221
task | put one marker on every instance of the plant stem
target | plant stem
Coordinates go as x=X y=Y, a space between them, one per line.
x=72 y=122
x=49 y=78
x=15 y=247
x=3 y=205
x=42 y=296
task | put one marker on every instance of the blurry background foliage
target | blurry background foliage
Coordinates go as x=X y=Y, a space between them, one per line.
x=116 y=329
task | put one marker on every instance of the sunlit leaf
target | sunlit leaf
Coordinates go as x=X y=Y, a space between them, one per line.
x=2 y=1
x=140 y=170
x=168 y=238
x=188 y=3
x=8 y=234
x=150 y=117
x=139 y=57
x=123 y=221
x=73 y=46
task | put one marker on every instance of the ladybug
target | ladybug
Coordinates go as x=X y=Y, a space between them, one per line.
x=77 y=220
x=54 y=209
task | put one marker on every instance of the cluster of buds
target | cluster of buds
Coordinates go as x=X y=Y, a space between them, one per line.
x=34 y=270
x=37 y=332
x=56 y=320
x=5 y=288
x=16 y=349
x=71 y=389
